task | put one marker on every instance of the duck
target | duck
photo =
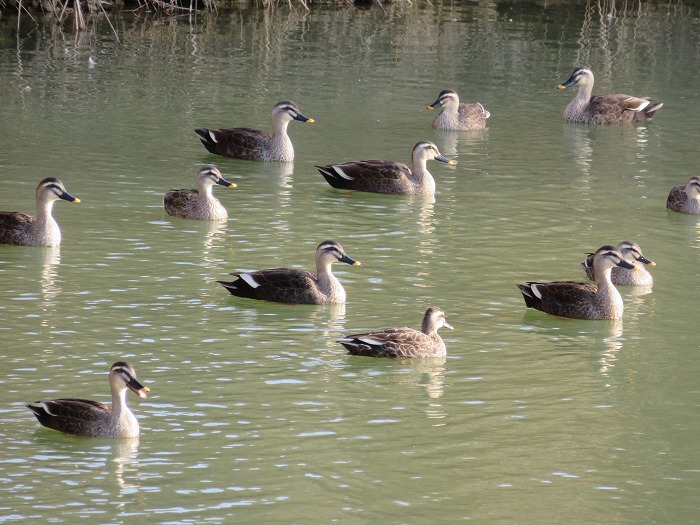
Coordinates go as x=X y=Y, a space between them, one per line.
x=200 y=203
x=402 y=342
x=685 y=199
x=383 y=176
x=287 y=285
x=457 y=116
x=40 y=230
x=604 y=109
x=82 y=417
x=253 y=144
x=577 y=300
x=631 y=252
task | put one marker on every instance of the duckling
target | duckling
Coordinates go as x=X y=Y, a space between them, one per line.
x=253 y=144
x=286 y=285
x=200 y=203
x=604 y=109
x=404 y=341
x=581 y=300
x=82 y=417
x=631 y=252
x=685 y=199
x=42 y=229
x=382 y=176
x=456 y=116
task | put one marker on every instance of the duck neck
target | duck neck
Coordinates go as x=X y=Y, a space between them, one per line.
x=118 y=402
x=328 y=283
x=584 y=94
x=45 y=224
x=206 y=192
x=421 y=175
x=279 y=128
x=605 y=285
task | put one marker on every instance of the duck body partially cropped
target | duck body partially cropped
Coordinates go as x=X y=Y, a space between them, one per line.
x=288 y=285
x=83 y=417
x=402 y=342
x=200 y=203
x=685 y=199
x=578 y=300
x=382 y=176
x=40 y=230
x=456 y=115
x=632 y=253
x=604 y=109
x=253 y=144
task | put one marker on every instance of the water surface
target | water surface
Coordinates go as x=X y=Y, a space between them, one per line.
x=255 y=413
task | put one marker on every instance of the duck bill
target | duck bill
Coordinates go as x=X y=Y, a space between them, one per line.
x=302 y=118
x=629 y=266
x=68 y=197
x=226 y=183
x=138 y=388
x=434 y=105
x=350 y=261
x=566 y=84
x=644 y=260
x=444 y=159
x=448 y=326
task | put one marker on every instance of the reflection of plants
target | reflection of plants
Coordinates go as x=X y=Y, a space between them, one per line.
x=76 y=10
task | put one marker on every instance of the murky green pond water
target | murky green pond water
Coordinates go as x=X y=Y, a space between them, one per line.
x=255 y=414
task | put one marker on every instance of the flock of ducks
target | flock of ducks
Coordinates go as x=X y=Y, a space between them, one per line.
x=608 y=266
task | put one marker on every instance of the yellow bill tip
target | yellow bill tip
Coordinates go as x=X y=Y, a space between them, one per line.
x=561 y=87
x=76 y=200
x=430 y=108
x=310 y=121
x=357 y=263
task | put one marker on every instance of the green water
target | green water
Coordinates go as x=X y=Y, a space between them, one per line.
x=255 y=414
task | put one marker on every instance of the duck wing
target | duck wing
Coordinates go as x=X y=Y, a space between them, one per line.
x=282 y=285
x=238 y=143
x=474 y=113
x=69 y=415
x=676 y=198
x=13 y=225
x=621 y=108
x=367 y=175
x=587 y=265
x=562 y=298
x=390 y=342
x=175 y=201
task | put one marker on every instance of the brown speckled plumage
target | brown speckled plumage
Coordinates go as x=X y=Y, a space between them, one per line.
x=253 y=144
x=382 y=176
x=581 y=300
x=83 y=417
x=402 y=342
x=200 y=203
x=685 y=199
x=632 y=253
x=458 y=116
x=604 y=109
x=287 y=285
x=42 y=229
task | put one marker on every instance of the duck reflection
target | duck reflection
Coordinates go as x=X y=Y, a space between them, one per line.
x=612 y=344
x=51 y=259
x=431 y=377
x=125 y=453
x=579 y=140
x=214 y=238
